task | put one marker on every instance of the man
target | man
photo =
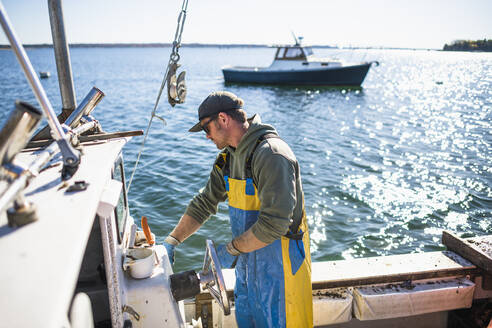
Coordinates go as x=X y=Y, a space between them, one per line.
x=258 y=174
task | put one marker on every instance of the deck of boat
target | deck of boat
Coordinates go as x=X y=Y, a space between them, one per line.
x=332 y=277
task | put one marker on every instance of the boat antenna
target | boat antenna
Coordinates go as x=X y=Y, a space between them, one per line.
x=296 y=40
x=176 y=87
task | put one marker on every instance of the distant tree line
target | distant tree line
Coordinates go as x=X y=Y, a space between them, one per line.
x=469 y=45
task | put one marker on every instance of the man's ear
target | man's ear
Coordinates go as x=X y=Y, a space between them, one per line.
x=224 y=118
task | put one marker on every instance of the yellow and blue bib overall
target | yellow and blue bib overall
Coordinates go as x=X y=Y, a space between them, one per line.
x=273 y=284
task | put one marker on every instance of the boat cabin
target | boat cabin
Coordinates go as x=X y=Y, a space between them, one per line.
x=295 y=52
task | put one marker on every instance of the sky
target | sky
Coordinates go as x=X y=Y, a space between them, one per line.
x=378 y=23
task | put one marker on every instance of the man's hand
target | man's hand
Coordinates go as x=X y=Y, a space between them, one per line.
x=227 y=254
x=225 y=257
x=170 y=244
x=187 y=225
x=170 y=252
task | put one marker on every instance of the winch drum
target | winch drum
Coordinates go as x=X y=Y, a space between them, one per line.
x=187 y=284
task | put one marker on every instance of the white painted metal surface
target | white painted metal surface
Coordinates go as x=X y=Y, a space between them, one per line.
x=41 y=261
x=109 y=198
x=151 y=298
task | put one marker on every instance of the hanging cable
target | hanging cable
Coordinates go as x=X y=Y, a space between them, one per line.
x=176 y=92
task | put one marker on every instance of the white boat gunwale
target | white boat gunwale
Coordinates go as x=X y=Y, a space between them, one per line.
x=66 y=220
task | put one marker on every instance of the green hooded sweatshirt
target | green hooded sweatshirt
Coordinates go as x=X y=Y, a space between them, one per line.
x=276 y=175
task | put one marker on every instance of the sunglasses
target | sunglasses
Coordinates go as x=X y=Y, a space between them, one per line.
x=205 y=126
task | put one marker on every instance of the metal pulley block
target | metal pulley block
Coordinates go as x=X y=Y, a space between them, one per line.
x=176 y=87
x=19 y=216
x=187 y=284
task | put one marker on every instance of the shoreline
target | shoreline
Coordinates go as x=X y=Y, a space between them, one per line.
x=196 y=45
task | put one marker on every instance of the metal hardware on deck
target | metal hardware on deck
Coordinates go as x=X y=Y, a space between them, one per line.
x=94 y=137
x=14 y=135
x=211 y=265
x=85 y=108
x=187 y=284
x=128 y=309
x=77 y=186
x=176 y=87
x=19 y=127
x=76 y=117
x=180 y=88
x=71 y=159
x=20 y=182
x=62 y=55
x=21 y=215
x=92 y=124
x=22 y=175
x=10 y=171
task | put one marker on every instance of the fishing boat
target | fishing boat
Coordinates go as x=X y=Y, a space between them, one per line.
x=297 y=65
x=44 y=74
x=73 y=256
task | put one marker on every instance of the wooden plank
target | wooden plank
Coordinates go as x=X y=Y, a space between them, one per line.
x=383 y=279
x=389 y=269
x=477 y=250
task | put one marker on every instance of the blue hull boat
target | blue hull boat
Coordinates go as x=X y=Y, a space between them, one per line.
x=296 y=65
x=352 y=75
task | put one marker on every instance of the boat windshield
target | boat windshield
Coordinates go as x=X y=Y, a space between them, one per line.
x=294 y=53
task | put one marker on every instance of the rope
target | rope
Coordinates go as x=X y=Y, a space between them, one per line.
x=173 y=59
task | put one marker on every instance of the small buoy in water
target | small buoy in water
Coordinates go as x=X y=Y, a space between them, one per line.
x=44 y=75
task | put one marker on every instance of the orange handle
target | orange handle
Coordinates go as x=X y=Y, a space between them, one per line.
x=146 y=230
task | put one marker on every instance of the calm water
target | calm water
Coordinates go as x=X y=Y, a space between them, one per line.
x=385 y=168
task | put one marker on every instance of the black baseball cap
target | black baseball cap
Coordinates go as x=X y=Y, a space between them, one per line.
x=216 y=102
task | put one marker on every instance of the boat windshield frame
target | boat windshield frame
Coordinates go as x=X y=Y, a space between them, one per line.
x=295 y=52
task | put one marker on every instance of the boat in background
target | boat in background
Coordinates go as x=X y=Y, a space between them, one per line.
x=297 y=65
x=44 y=74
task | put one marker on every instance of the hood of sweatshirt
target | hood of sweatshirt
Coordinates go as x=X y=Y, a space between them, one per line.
x=248 y=141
